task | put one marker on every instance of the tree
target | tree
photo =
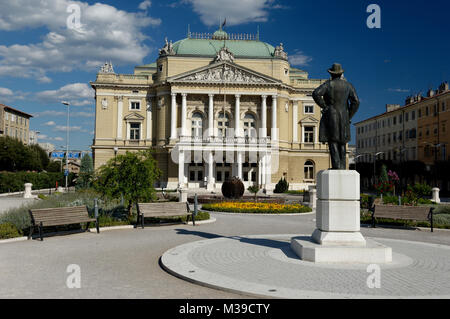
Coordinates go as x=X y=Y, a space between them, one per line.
x=131 y=175
x=254 y=189
x=384 y=175
x=86 y=174
x=282 y=186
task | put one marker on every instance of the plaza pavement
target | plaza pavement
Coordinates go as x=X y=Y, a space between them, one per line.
x=125 y=263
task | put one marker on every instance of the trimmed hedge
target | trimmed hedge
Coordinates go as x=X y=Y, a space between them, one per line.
x=8 y=230
x=14 y=182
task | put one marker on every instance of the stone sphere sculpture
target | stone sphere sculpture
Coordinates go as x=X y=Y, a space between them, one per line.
x=233 y=188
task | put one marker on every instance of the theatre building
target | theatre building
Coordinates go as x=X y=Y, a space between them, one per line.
x=211 y=107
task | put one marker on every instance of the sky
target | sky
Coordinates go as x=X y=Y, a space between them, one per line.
x=45 y=60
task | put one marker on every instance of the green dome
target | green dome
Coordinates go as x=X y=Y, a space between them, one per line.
x=220 y=35
x=210 y=47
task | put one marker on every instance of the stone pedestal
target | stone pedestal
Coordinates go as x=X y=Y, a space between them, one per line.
x=435 y=195
x=27 y=193
x=183 y=196
x=337 y=237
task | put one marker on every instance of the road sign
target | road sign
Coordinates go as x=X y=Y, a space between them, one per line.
x=57 y=154
x=66 y=172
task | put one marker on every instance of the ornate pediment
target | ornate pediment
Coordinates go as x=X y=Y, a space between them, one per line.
x=309 y=120
x=224 y=72
x=134 y=117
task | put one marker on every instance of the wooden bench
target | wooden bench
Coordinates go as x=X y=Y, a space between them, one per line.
x=416 y=213
x=59 y=216
x=163 y=209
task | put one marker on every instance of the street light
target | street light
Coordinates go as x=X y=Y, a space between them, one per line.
x=356 y=157
x=435 y=146
x=374 y=166
x=67 y=141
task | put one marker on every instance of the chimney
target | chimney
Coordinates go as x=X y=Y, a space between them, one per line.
x=430 y=93
x=392 y=107
x=443 y=87
x=409 y=100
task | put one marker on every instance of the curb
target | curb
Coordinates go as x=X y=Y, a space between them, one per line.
x=202 y=222
x=94 y=230
x=12 y=240
x=247 y=214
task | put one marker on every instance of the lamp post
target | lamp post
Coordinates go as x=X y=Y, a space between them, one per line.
x=375 y=165
x=67 y=148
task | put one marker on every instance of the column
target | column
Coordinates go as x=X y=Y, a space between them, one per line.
x=119 y=117
x=263 y=171
x=181 y=169
x=210 y=185
x=239 y=164
x=183 y=114
x=237 y=118
x=295 y=122
x=149 y=119
x=264 y=116
x=211 y=115
x=173 y=117
x=274 y=118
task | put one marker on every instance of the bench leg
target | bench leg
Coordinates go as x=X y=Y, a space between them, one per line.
x=142 y=221
x=41 y=231
x=97 y=226
x=193 y=220
x=87 y=225
x=31 y=232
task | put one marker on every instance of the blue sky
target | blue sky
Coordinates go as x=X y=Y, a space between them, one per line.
x=43 y=62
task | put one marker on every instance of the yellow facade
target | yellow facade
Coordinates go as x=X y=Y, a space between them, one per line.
x=14 y=123
x=176 y=106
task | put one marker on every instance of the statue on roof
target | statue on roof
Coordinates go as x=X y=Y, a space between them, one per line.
x=224 y=55
x=279 y=52
x=107 y=68
x=167 y=49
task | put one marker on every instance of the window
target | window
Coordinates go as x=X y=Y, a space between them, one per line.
x=394 y=137
x=309 y=170
x=419 y=111
x=197 y=125
x=395 y=120
x=400 y=118
x=309 y=109
x=309 y=134
x=135 y=105
x=400 y=136
x=436 y=109
x=443 y=127
x=427 y=111
x=13 y=117
x=249 y=125
x=443 y=106
x=406 y=117
x=413 y=115
x=135 y=129
x=160 y=67
x=196 y=172
x=6 y=116
x=223 y=124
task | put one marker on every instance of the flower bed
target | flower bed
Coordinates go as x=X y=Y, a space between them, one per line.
x=256 y=208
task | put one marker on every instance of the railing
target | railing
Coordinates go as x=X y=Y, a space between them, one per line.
x=224 y=140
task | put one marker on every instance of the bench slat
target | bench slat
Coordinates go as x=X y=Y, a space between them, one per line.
x=400 y=212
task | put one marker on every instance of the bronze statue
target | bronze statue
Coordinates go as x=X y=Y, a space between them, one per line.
x=339 y=103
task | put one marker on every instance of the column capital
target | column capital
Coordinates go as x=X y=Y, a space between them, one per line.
x=211 y=95
x=274 y=96
x=184 y=94
x=237 y=96
x=264 y=96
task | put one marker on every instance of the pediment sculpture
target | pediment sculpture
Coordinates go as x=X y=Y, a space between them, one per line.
x=107 y=68
x=225 y=73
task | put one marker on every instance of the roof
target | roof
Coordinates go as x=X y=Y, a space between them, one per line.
x=424 y=99
x=15 y=110
x=210 y=48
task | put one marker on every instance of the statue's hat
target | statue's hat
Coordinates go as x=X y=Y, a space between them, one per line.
x=336 y=69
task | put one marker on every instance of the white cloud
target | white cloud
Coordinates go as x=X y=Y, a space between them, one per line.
x=235 y=11
x=77 y=94
x=144 y=5
x=299 y=59
x=399 y=90
x=58 y=138
x=62 y=128
x=106 y=33
x=5 y=92
x=49 y=123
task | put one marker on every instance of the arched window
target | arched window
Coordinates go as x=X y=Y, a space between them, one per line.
x=249 y=125
x=223 y=124
x=309 y=170
x=197 y=125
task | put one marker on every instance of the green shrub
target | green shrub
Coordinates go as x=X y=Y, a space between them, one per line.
x=282 y=186
x=442 y=209
x=19 y=217
x=8 y=230
x=302 y=192
x=390 y=200
x=42 y=196
x=14 y=182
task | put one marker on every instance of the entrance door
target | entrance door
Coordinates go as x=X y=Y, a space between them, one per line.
x=223 y=172
x=249 y=174
x=196 y=175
